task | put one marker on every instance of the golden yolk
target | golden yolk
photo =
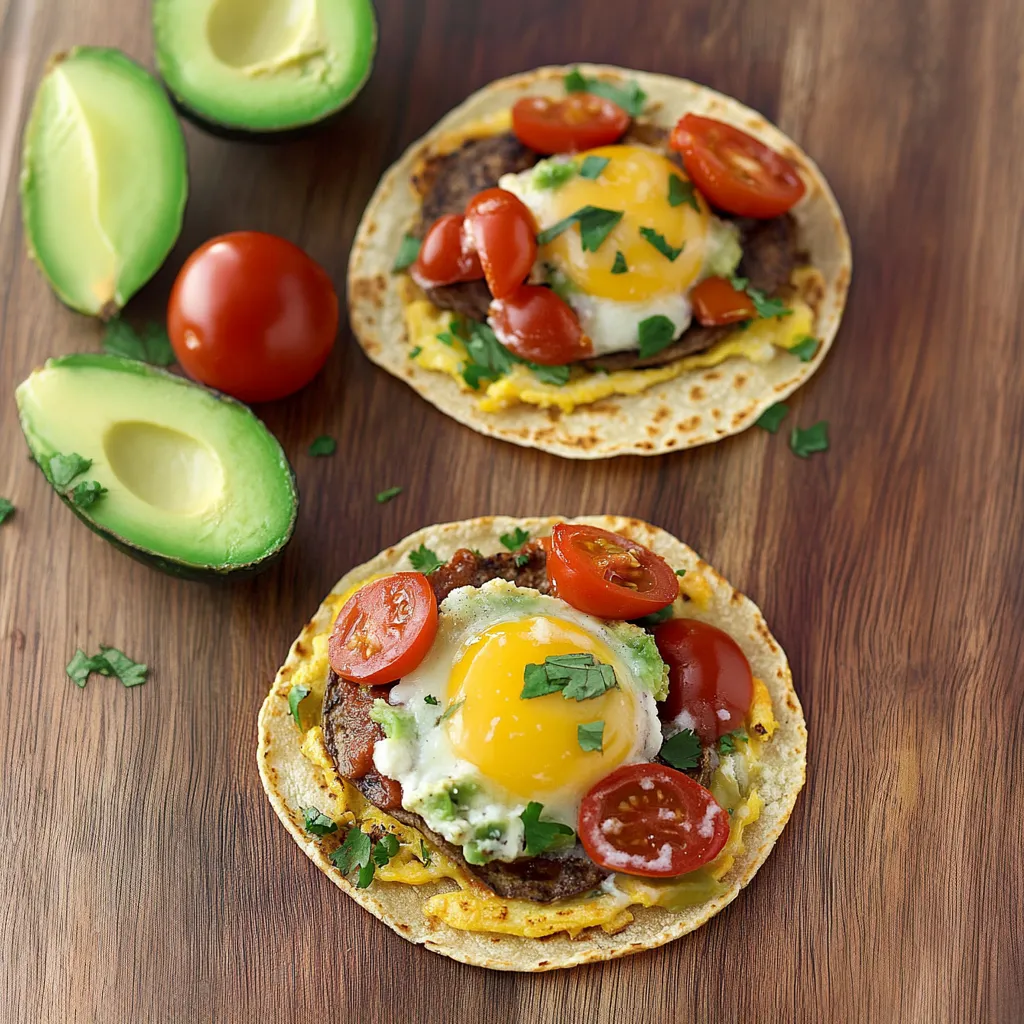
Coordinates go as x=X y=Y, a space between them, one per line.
x=531 y=747
x=635 y=181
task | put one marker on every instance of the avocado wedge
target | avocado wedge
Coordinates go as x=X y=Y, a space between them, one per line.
x=104 y=178
x=259 y=66
x=180 y=477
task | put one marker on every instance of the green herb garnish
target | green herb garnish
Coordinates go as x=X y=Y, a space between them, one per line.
x=682 y=751
x=592 y=166
x=595 y=224
x=653 y=619
x=431 y=699
x=109 y=662
x=771 y=419
x=316 y=822
x=654 y=334
x=424 y=854
x=385 y=849
x=408 y=250
x=296 y=695
x=150 y=346
x=577 y=676
x=450 y=710
x=727 y=742
x=323 y=445
x=813 y=439
x=354 y=852
x=805 y=348
x=680 y=572
x=553 y=173
x=383 y=497
x=590 y=736
x=629 y=96
x=64 y=468
x=764 y=306
x=540 y=835
x=86 y=493
x=81 y=666
x=6 y=508
x=680 y=191
x=516 y=539
x=619 y=266
x=557 y=375
x=659 y=243
x=488 y=358
x=415 y=351
x=424 y=560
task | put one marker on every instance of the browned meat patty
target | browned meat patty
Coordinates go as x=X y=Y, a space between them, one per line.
x=694 y=339
x=769 y=252
x=526 y=567
x=470 y=299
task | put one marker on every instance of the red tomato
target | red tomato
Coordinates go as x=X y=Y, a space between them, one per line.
x=580 y=121
x=252 y=315
x=709 y=677
x=384 y=629
x=734 y=170
x=446 y=255
x=607 y=575
x=648 y=819
x=538 y=326
x=715 y=302
x=505 y=235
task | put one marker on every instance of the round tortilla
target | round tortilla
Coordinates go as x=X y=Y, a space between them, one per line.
x=700 y=405
x=291 y=781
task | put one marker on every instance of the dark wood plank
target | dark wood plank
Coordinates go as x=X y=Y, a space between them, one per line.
x=148 y=878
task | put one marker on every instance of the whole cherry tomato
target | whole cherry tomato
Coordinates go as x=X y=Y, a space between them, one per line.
x=535 y=324
x=252 y=315
x=447 y=254
x=505 y=236
x=715 y=302
x=580 y=121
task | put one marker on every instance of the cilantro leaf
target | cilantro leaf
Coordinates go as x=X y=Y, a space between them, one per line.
x=680 y=191
x=488 y=358
x=658 y=241
x=771 y=419
x=579 y=677
x=157 y=345
x=813 y=439
x=557 y=375
x=654 y=334
x=131 y=673
x=619 y=266
x=516 y=539
x=540 y=835
x=150 y=346
x=383 y=497
x=592 y=166
x=595 y=224
x=764 y=306
x=805 y=348
x=522 y=559
x=682 y=751
x=81 y=666
x=553 y=173
x=86 y=493
x=590 y=736
x=353 y=852
x=415 y=351
x=551 y=233
x=6 y=508
x=590 y=683
x=316 y=822
x=656 y=618
x=64 y=468
x=408 y=250
x=537 y=682
x=629 y=96
x=296 y=695
x=424 y=560
x=431 y=699
x=727 y=742
x=365 y=876
x=680 y=572
x=385 y=849
x=425 y=854
x=450 y=710
x=323 y=445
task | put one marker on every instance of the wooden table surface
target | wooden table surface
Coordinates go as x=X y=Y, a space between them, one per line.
x=147 y=878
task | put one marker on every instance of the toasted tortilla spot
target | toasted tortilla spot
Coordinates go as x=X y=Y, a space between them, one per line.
x=696 y=393
x=739 y=380
x=662 y=413
x=712 y=375
x=716 y=414
x=764 y=633
x=689 y=424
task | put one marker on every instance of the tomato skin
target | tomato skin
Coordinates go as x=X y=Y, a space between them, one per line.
x=504 y=234
x=384 y=630
x=607 y=575
x=252 y=315
x=709 y=677
x=735 y=171
x=580 y=121
x=716 y=302
x=446 y=255
x=535 y=324
x=635 y=828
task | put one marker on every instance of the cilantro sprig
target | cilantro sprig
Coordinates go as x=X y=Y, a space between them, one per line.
x=681 y=191
x=619 y=266
x=656 y=239
x=771 y=419
x=727 y=742
x=578 y=677
x=6 y=508
x=109 y=662
x=805 y=442
x=424 y=560
x=805 y=349
x=654 y=334
x=516 y=539
x=540 y=835
x=488 y=359
x=408 y=251
x=296 y=695
x=316 y=823
x=592 y=166
x=595 y=223
x=682 y=751
x=629 y=96
x=590 y=736
x=150 y=345
x=64 y=468
x=358 y=850
x=763 y=306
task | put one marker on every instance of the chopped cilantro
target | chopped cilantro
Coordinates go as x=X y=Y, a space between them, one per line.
x=6 y=508
x=316 y=822
x=150 y=346
x=446 y=338
x=764 y=306
x=813 y=439
x=680 y=191
x=323 y=445
x=655 y=618
x=771 y=419
x=619 y=266
x=658 y=241
x=590 y=736
x=431 y=699
x=488 y=358
x=654 y=334
x=680 y=572
x=415 y=351
x=131 y=673
x=592 y=166
x=727 y=742
x=408 y=250
x=551 y=233
x=354 y=852
x=64 y=468
x=805 y=348
x=450 y=710
x=425 y=854
x=577 y=676
x=595 y=225
x=682 y=751
x=385 y=849
x=516 y=539
x=81 y=666
x=557 y=375
x=540 y=835
x=629 y=96
x=296 y=695
x=521 y=559
x=553 y=173
x=383 y=497
x=86 y=493
x=424 y=560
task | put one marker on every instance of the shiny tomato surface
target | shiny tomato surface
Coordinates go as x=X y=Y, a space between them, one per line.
x=535 y=324
x=578 y=122
x=504 y=235
x=716 y=302
x=447 y=254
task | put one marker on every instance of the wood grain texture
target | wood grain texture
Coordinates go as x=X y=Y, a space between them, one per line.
x=147 y=878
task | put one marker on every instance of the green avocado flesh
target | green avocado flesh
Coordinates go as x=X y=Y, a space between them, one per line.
x=104 y=178
x=196 y=484
x=264 y=65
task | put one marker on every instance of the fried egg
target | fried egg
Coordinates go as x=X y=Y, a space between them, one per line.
x=610 y=301
x=471 y=753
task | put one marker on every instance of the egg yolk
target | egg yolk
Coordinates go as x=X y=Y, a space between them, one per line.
x=531 y=747
x=635 y=181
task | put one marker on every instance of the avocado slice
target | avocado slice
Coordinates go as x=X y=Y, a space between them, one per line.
x=195 y=484
x=257 y=66
x=104 y=178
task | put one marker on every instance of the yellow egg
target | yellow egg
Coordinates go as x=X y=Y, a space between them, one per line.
x=635 y=181
x=531 y=747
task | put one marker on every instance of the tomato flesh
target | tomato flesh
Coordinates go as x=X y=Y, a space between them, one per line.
x=709 y=677
x=384 y=629
x=252 y=315
x=606 y=575
x=535 y=324
x=580 y=121
x=651 y=820
x=504 y=233
x=716 y=302
x=735 y=171
x=446 y=254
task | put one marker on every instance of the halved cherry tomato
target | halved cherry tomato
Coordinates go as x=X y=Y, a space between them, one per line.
x=535 y=324
x=735 y=171
x=580 y=121
x=648 y=819
x=607 y=575
x=715 y=302
x=446 y=255
x=709 y=677
x=504 y=233
x=384 y=629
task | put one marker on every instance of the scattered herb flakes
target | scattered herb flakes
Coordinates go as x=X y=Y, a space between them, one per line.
x=805 y=348
x=81 y=666
x=681 y=191
x=764 y=306
x=408 y=250
x=591 y=736
x=323 y=445
x=431 y=699
x=629 y=96
x=578 y=676
x=620 y=266
x=415 y=351
x=316 y=822
x=521 y=559
x=516 y=539
x=131 y=673
x=727 y=742
x=540 y=835
x=354 y=852
x=680 y=572
x=450 y=710
x=384 y=850
x=86 y=493
x=296 y=695
x=771 y=419
x=806 y=442
x=658 y=241
x=383 y=497
x=553 y=173
x=425 y=854
x=592 y=166
x=488 y=358
x=654 y=334
x=682 y=751
x=424 y=560
x=64 y=468
x=595 y=224
x=556 y=375
x=6 y=508
x=551 y=233
x=151 y=345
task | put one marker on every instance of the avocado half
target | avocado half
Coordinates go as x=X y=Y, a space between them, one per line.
x=104 y=178
x=195 y=484
x=263 y=66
